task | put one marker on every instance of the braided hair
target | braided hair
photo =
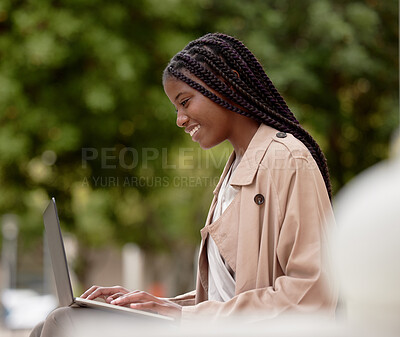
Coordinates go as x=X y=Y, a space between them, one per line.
x=228 y=67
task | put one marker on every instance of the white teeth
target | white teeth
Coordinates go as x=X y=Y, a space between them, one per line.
x=193 y=131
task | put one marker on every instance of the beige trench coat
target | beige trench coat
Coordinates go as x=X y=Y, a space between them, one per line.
x=273 y=234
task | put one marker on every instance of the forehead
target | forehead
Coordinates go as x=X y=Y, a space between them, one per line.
x=173 y=87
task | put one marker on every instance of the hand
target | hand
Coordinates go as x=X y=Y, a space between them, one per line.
x=106 y=293
x=141 y=300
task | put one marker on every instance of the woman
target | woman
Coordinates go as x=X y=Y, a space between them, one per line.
x=262 y=248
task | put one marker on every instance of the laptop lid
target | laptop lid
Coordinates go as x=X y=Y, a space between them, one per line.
x=57 y=254
x=61 y=273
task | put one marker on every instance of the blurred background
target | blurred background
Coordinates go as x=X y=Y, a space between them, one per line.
x=84 y=119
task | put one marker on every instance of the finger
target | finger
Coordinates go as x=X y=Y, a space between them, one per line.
x=89 y=291
x=105 y=292
x=136 y=297
x=113 y=297
x=139 y=297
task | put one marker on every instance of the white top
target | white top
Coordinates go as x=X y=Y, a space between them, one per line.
x=221 y=278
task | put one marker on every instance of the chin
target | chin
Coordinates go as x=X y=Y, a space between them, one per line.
x=207 y=146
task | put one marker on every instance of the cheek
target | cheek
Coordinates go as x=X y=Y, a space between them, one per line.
x=223 y=118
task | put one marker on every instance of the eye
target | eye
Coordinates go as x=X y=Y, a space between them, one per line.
x=184 y=102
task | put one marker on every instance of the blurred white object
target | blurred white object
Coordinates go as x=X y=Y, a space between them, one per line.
x=132 y=267
x=239 y=326
x=24 y=308
x=10 y=230
x=367 y=248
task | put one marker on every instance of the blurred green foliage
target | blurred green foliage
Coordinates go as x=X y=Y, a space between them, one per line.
x=86 y=74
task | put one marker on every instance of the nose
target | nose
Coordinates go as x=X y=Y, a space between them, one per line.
x=181 y=119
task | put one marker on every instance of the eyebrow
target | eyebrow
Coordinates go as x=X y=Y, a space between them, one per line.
x=177 y=96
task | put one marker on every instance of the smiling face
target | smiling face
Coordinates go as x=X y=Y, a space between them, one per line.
x=207 y=122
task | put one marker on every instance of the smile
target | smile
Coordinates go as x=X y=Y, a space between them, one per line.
x=194 y=130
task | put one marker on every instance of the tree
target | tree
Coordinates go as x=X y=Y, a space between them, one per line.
x=84 y=117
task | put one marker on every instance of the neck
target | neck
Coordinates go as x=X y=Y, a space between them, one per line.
x=242 y=133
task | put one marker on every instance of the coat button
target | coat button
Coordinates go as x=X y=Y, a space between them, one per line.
x=259 y=199
x=281 y=135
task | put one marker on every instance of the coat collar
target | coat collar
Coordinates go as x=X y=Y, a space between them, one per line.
x=248 y=166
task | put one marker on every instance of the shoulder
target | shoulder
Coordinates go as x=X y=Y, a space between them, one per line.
x=291 y=145
x=285 y=149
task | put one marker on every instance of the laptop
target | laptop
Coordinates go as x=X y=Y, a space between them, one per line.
x=61 y=273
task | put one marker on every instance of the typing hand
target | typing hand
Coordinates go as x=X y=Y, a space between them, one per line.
x=141 y=300
x=106 y=293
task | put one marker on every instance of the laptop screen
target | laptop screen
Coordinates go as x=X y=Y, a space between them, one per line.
x=57 y=254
